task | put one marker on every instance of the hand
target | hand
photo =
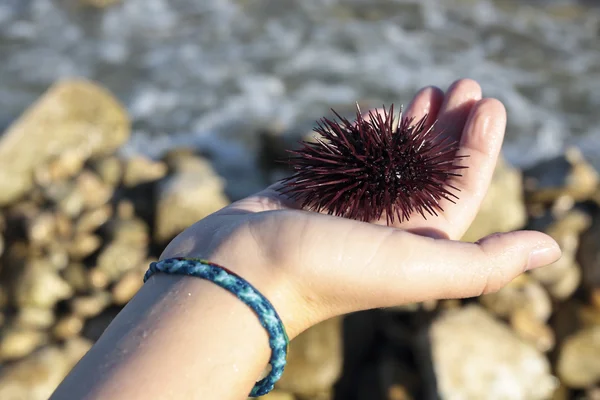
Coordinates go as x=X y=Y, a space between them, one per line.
x=314 y=266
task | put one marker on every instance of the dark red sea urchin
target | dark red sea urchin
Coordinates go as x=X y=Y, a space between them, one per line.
x=361 y=169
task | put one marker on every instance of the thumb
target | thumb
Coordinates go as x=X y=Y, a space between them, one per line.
x=385 y=267
x=440 y=268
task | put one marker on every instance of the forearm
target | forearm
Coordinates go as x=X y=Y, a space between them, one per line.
x=179 y=338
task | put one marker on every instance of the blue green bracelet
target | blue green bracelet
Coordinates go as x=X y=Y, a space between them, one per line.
x=269 y=319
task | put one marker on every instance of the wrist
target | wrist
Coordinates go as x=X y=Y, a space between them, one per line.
x=270 y=280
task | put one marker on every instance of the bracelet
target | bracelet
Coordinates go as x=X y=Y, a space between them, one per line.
x=269 y=319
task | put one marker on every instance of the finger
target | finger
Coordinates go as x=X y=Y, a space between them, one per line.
x=460 y=98
x=354 y=265
x=481 y=141
x=427 y=101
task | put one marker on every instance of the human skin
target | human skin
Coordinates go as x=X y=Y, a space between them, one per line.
x=185 y=338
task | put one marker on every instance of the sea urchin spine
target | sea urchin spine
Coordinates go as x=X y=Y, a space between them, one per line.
x=363 y=169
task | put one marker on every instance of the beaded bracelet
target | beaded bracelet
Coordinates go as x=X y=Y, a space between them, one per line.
x=269 y=319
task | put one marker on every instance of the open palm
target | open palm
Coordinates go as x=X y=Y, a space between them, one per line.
x=335 y=265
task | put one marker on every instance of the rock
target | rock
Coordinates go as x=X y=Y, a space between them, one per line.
x=99 y=3
x=139 y=169
x=91 y=220
x=18 y=218
x=64 y=225
x=276 y=395
x=531 y=329
x=76 y=274
x=110 y=170
x=588 y=255
x=476 y=356
x=116 y=259
x=69 y=200
x=588 y=315
x=42 y=228
x=34 y=318
x=36 y=377
x=56 y=255
x=128 y=285
x=398 y=392
x=579 y=359
x=566 y=175
x=503 y=209
x=126 y=228
x=3 y=298
x=39 y=285
x=192 y=193
x=63 y=167
x=314 y=360
x=18 y=342
x=94 y=191
x=83 y=245
x=522 y=293
x=563 y=277
x=72 y=117
x=67 y=327
x=90 y=306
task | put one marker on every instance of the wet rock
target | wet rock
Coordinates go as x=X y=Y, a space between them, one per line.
x=18 y=342
x=192 y=193
x=39 y=285
x=69 y=200
x=588 y=255
x=398 y=392
x=563 y=277
x=34 y=318
x=522 y=293
x=90 y=306
x=276 y=395
x=61 y=168
x=72 y=117
x=139 y=169
x=566 y=175
x=499 y=365
x=57 y=255
x=126 y=227
x=67 y=327
x=37 y=376
x=314 y=360
x=83 y=245
x=110 y=170
x=42 y=228
x=76 y=275
x=94 y=191
x=531 y=329
x=274 y=141
x=99 y=3
x=116 y=259
x=588 y=316
x=18 y=218
x=579 y=360
x=64 y=225
x=91 y=220
x=129 y=284
x=503 y=209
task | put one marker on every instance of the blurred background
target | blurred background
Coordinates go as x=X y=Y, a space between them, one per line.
x=125 y=121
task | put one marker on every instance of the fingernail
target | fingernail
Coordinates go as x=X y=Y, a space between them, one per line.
x=543 y=255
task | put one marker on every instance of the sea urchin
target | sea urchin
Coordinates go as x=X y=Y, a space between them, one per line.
x=363 y=169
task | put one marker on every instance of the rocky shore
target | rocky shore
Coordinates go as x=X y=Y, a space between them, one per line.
x=79 y=224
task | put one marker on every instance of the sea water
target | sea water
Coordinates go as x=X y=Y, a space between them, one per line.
x=214 y=72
